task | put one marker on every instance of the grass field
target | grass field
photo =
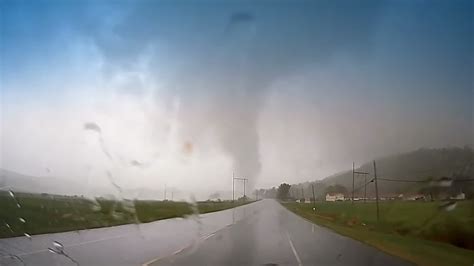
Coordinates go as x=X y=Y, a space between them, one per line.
x=416 y=231
x=48 y=214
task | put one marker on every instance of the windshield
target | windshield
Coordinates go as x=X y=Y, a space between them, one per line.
x=236 y=132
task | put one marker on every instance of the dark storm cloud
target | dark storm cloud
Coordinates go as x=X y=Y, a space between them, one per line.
x=234 y=56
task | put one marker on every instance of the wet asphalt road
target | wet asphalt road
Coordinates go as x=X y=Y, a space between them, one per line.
x=262 y=233
x=272 y=235
x=125 y=245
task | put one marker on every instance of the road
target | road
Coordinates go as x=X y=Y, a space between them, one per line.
x=262 y=233
x=272 y=235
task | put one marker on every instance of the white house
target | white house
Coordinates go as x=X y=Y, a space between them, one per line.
x=416 y=197
x=334 y=197
x=460 y=196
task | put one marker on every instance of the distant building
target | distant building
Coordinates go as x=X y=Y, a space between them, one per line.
x=391 y=197
x=334 y=197
x=460 y=196
x=416 y=197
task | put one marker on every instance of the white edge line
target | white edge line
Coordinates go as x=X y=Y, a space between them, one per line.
x=293 y=249
x=150 y=262
x=178 y=251
x=209 y=236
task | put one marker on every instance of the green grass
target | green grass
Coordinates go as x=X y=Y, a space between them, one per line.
x=416 y=231
x=50 y=214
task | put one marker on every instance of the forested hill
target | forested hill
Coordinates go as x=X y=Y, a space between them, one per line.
x=421 y=164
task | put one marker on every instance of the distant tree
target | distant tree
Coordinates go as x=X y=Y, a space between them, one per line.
x=270 y=193
x=283 y=191
x=243 y=198
x=215 y=195
x=259 y=193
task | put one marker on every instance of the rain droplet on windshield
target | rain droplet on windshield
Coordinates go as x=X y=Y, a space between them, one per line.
x=12 y=195
x=9 y=227
x=92 y=126
x=58 y=245
x=15 y=257
x=95 y=205
x=448 y=206
x=52 y=251
x=58 y=249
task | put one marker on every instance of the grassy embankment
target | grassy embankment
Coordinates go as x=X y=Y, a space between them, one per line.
x=50 y=214
x=416 y=231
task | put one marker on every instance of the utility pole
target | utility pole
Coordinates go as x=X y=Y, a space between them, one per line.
x=237 y=178
x=302 y=193
x=365 y=188
x=314 y=197
x=233 y=187
x=352 y=183
x=376 y=191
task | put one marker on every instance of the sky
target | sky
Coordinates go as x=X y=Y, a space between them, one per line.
x=184 y=94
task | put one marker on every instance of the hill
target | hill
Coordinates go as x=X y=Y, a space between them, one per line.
x=10 y=180
x=419 y=165
x=17 y=182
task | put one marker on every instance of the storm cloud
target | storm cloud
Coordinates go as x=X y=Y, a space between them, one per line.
x=186 y=94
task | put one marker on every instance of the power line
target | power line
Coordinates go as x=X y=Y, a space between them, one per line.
x=426 y=181
x=464 y=180
x=404 y=180
x=364 y=184
x=241 y=179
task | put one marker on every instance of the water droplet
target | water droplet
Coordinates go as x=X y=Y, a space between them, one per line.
x=128 y=206
x=9 y=227
x=92 y=126
x=117 y=215
x=59 y=249
x=442 y=182
x=52 y=251
x=12 y=195
x=95 y=205
x=22 y=220
x=136 y=163
x=15 y=257
x=451 y=207
x=58 y=246
x=448 y=206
